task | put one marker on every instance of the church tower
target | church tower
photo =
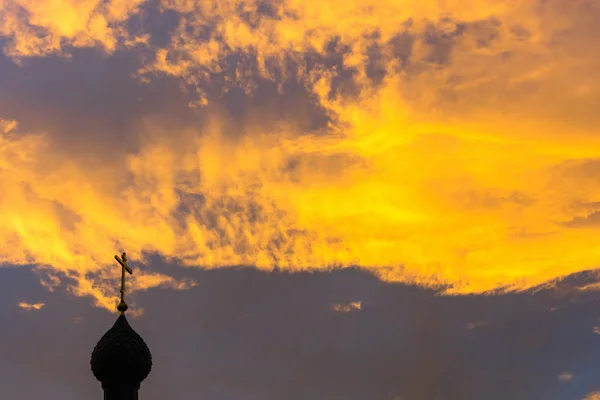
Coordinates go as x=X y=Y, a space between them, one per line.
x=121 y=360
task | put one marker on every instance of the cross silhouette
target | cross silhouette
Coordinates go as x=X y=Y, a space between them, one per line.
x=124 y=267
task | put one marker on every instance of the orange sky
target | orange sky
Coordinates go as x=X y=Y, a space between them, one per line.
x=469 y=158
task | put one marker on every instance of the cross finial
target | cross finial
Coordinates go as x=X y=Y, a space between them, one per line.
x=124 y=267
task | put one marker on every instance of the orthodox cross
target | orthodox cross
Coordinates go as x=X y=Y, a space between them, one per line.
x=124 y=267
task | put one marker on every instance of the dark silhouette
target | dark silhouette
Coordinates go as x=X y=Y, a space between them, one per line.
x=124 y=267
x=121 y=360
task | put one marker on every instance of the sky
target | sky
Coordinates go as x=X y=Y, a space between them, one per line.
x=342 y=199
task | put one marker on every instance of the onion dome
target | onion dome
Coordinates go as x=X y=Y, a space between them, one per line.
x=121 y=356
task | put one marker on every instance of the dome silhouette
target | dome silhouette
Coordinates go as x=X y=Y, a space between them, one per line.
x=121 y=356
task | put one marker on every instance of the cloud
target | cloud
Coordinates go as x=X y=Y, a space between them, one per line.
x=592 y=396
x=346 y=307
x=408 y=343
x=565 y=377
x=7 y=126
x=31 y=306
x=478 y=324
x=41 y=28
x=452 y=144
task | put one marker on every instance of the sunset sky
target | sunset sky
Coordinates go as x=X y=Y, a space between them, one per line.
x=320 y=199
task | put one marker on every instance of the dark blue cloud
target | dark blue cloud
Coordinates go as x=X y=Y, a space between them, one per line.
x=245 y=334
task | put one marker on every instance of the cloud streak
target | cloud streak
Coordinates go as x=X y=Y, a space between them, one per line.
x=31 y=306
x=456 y=148
x=346 y=307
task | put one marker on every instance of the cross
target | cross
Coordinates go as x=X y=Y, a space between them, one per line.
x=124 y=267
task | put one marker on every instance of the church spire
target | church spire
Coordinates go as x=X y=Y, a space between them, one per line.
x=121 y=360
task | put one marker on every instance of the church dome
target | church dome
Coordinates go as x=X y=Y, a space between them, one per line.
x=121 y=355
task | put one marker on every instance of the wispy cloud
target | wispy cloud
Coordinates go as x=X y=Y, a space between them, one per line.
x=346 y=307
x=31 y=306
x=592 y=396
x=478 y=324
x=565 y=377
x=7 y=126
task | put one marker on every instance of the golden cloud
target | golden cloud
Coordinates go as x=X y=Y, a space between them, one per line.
x=31 y=306
x=40 y=28
x=346 y=307
x=461 y=150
